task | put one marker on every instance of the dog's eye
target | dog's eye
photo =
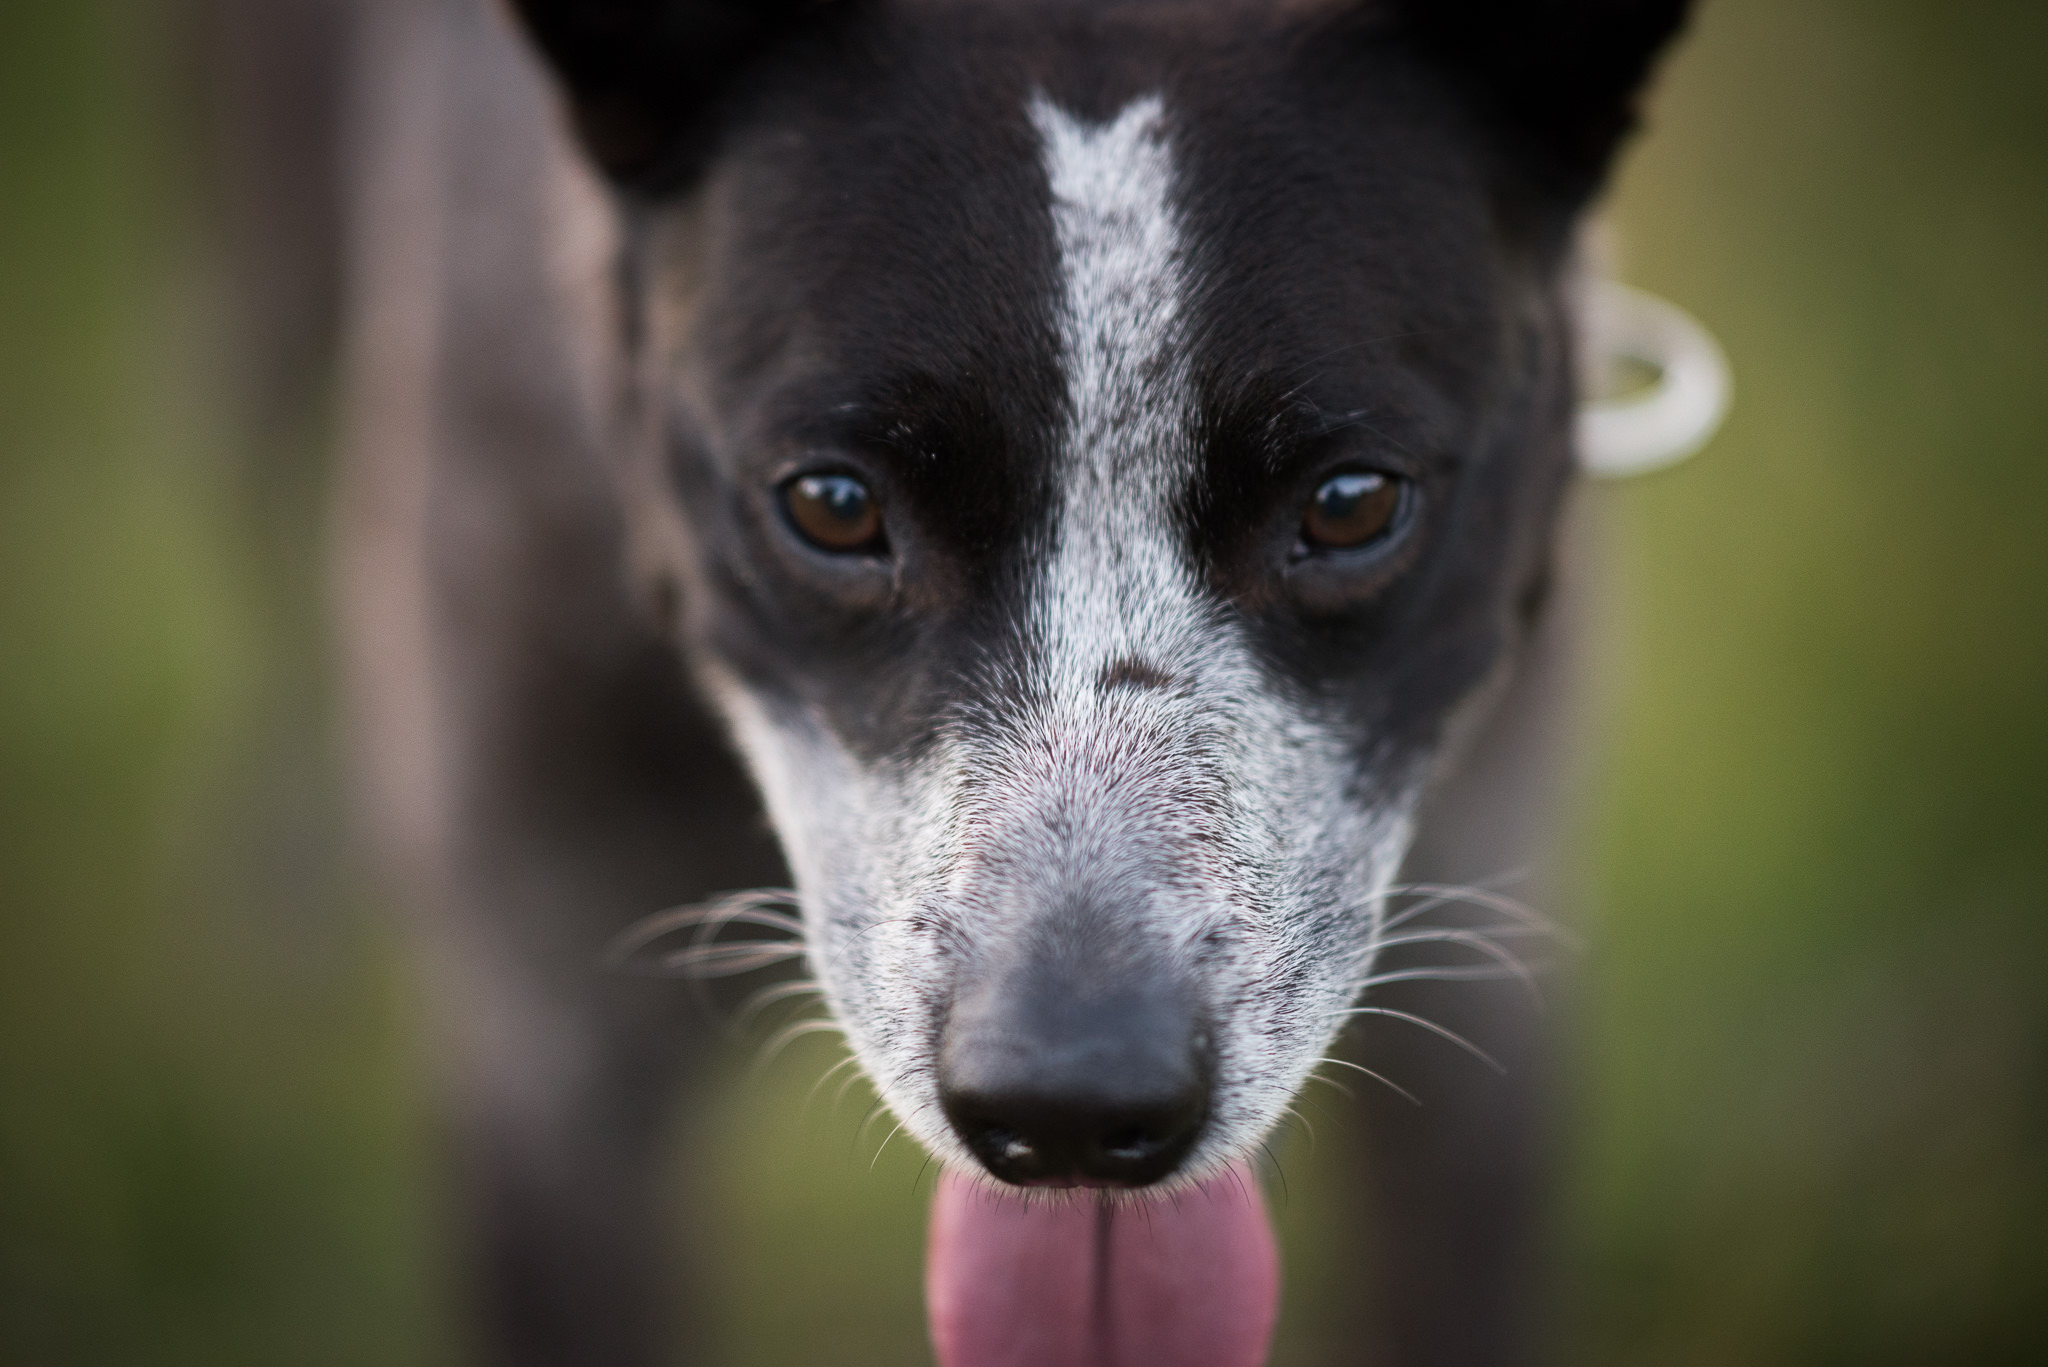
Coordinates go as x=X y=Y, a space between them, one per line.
x=1350 y=510
x=835 y=513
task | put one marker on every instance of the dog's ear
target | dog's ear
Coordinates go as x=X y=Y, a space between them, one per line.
x=1562 y=77
x=641 y=75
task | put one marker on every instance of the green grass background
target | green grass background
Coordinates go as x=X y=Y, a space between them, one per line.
x=1811 y=1119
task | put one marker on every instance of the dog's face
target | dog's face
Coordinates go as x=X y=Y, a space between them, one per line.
x=1102 y=455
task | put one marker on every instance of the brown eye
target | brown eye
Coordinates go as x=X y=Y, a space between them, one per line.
x=1350 y=510
x=834 y=513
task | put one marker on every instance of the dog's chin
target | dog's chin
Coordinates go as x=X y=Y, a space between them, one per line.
x=1176 y=1275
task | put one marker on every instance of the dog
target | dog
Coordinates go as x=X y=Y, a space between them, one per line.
x=1073 y=489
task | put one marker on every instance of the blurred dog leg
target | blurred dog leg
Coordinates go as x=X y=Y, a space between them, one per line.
x=533 y=769
x=1459 y=1186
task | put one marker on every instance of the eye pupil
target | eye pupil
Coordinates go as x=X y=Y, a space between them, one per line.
x=834 y=512
x=1350 y=510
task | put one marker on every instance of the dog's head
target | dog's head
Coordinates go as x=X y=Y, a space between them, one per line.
x=1101 y=451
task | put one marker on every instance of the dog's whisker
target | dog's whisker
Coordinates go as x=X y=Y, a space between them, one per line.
x=1238 y=1178
x=1474 y=940
x=1437 y=933
x=754 y=906
x=754 y=916
x=1412 y=914
x=1310 y=1100
x=790 y=1034
x=1487 y=941
x=1492 y=883
x=846 y=1084
x=880 y=1108
x=1479 y=974
x=769 y=996
x=850 y=1061
x=1359 y=1067
x=1441 y=894
x=1278 y=1171
x=728 y=960
x=1334 y=1085
x=741 y=909
x=876 y=1160
x=1291 y=1112
x=1453 y=1036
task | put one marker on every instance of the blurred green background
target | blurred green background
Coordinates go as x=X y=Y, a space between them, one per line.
x=1811 y=1114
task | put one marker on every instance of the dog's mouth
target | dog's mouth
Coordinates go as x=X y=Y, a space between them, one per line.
x=1092 y=1278
x=1078 y=1066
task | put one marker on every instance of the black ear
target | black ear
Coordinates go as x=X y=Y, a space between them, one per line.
x=641 y=74
x=1562 y=76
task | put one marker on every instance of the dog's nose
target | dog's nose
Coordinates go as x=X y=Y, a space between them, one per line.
x=1054 y=1089
x=1038 y=1135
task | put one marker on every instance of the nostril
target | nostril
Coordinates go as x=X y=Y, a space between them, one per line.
x=1130 y=1146
x=1011 y=1146
x=1042 y=1135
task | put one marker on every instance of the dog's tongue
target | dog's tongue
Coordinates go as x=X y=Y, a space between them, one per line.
x=1191 y=1280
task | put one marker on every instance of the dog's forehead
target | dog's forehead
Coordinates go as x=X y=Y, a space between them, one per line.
x=895 y=218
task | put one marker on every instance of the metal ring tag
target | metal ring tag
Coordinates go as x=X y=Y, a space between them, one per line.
x=1673 y=416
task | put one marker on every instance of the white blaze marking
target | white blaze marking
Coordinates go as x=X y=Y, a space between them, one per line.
x=1120 y=584
x=1117 y=584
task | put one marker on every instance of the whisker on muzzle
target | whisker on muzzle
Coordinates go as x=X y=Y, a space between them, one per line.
x=1292 y=1114
x=874 y=1162
x=1445 y=1031
x=850 y=1061
x=1482 y=942
x=749 y=906
x=1339 y=1088
x=1376 y=1077
x=1437 y=895
x=768 y=996
x=788 y=1035
x=726 y=960
x=1478 y=974
x=1278 y=1171
x=846 y=1084
x=880 y=1108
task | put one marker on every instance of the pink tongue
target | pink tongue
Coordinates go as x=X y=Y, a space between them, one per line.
x=1064 y=1280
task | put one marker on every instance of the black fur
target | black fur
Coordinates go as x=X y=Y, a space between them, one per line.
x=1560 y=77
x=643 y=71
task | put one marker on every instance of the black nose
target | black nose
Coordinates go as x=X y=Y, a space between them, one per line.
x=1054 y=1089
